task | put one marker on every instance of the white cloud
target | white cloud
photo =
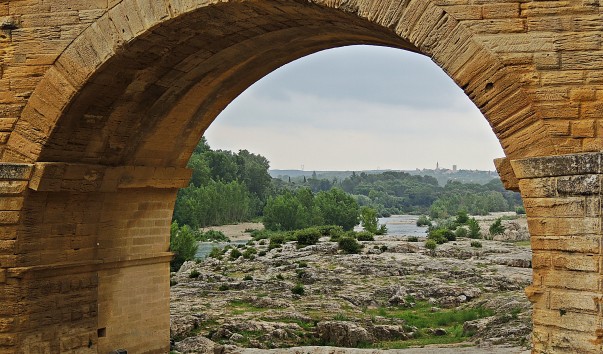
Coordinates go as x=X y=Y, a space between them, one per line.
x=335 y=127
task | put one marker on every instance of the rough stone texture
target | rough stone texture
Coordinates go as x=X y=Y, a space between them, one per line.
x=127 y=83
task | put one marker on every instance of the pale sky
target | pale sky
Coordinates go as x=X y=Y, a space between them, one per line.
x=358 y=108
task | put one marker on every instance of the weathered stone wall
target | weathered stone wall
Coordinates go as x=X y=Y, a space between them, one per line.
x=562 y=196
x=104 y=100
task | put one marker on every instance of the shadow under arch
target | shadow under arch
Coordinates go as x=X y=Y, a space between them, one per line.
x=137 y=89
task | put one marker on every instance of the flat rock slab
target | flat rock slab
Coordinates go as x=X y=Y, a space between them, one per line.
x=426 y=350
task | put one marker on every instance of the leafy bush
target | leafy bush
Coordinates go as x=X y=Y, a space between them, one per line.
x=423 y=220
x=520 y=210
x=349 y=245
x=261 y=253
x=441 y=236
x=276 y=241
x=248 y=277
x=235 y=253
x=279 y=276
x=365 y=236
x=497 y=228
x=431 y=245
x=369 y=220
x=223 y=287
x=249 y=253
x=212 y=236
x=194 y=274
x=461 y=232
x=382 y=230
x=298 y=289
x=329 y=230
x=413 y=239
x=215 y=253
x=307 y=237
x=183 y=244
x=476 y=244
x=302 y=264
x=462 y=217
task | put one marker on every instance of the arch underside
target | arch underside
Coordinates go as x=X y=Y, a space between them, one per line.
x=151 y=100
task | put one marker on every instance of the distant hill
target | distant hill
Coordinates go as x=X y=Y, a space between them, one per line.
x=442 y=175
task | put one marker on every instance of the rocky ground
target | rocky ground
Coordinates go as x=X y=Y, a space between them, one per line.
x=395 y=294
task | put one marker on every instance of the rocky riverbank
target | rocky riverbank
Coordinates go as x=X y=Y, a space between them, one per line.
x=395 y=294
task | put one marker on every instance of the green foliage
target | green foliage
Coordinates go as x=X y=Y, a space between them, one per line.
x=474 y=229
x=349 y=245
x=183 y=244
x=423 y=220
x=279 y=276
x=337 y=208
x=307 y=237
x=519 y=210
x=461 y=232
x=249 y=253
x=441 y=235
x=382 y=230
x=329 y=230
x=413 y=239
x=215 y=203
x=497 y=228
x=215 y=253
x=294 y=211
x=365 y=236
x=476 y=244
x=234 y=254
x=194 y=274
x=462 y=217
x=431 y=245
x=248 y=277
x=369 y=220
x=298 y=289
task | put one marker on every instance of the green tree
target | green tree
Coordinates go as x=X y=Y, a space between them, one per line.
x=285 y=212
x=336 y=207
x=183 y=244
x=369 y=220
x=474 y=229
x=497 y=228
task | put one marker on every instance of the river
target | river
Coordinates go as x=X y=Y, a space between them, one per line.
x=397 y=225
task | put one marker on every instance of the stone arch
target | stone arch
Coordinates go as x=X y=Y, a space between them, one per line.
x=108 y=130
x=210 y=52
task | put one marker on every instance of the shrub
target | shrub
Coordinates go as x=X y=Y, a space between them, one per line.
x=441 y=236
x=365 y=236
x=474 y=229
x=476 y=244
x=235 y=253
x=369 y=220
x=173 y=282
x=276 y=241
x=215 y=253
x=248 y=277
x=461 y=232
x=194 y=274
x=383 y=248
x=183 y=244
x=211 y=236
x=520 y=210
x=307 y=237
x=462 y=217
x=328 y=230
x=302 y=264
x=349 y=245
x=249 y=253
x=496 y=228
x=298 y=289
x=261 y=253
x=279 y=276
x=431 y=245
x=223 y=287
x=382 y=230
x=412 y=239
x=423 y=221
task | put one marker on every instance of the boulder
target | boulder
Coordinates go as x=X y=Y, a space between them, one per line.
x=343 y=333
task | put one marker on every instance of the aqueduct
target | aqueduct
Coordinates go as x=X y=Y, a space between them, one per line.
x=103 y=101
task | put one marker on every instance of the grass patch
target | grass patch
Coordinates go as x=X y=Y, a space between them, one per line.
x=239 y=307
x=423 y=318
